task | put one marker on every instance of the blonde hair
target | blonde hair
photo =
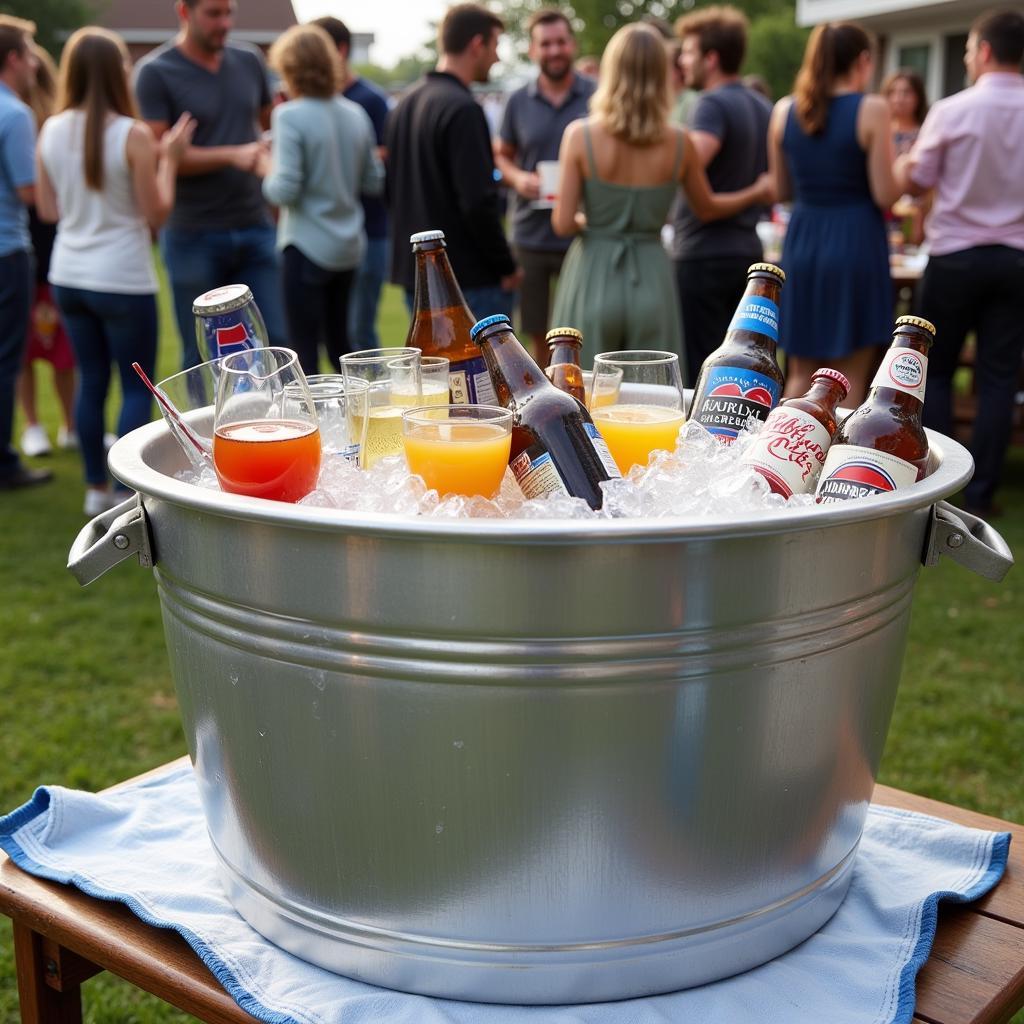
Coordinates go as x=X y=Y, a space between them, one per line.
x=94 y=78
x=632 y=99
x=42 y=94
x=307 y=59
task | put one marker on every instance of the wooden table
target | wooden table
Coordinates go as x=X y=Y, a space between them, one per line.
x=62 y=937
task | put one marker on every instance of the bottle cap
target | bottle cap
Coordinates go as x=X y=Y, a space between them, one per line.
x=840 y=378
x=768 y=268
x=917 y=321
x=488 y=321
x=563 y=332
x=426 y=236
x=221 y=300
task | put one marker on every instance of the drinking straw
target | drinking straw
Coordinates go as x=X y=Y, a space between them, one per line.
x=169 y=409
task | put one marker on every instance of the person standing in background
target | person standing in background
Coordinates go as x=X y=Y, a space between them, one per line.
x=107 y=182
x=971 y=152
x=531 y=131
x=830 y=149
x=728 y=127
x=47 y=338
x=324 y=154
x=364 y=300
x=441 y=167
x=17 y=193
x=908 y=105
x=220 y=230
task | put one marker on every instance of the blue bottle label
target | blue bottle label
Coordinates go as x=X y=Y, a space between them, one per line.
x=731 y=396
x=756 y=313
x=470 y=383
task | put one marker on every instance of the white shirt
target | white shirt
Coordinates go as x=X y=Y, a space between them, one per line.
x=103 y=242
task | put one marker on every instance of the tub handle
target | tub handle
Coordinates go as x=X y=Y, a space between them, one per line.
x=968 y=540
x=110 y=538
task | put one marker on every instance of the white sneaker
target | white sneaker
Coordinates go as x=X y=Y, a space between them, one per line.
x=97 y=502
x=35 y=442
x=109 y=440
x=67 y=440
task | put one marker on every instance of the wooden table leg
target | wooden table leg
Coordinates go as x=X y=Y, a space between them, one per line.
x=49 y=979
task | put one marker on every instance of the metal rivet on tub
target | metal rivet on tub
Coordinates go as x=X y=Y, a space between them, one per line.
x=955 y=540
x=121 y=542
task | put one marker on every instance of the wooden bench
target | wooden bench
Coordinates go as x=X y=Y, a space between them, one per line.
x=62 y=937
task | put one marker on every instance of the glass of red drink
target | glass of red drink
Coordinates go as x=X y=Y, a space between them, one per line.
x=266 y=440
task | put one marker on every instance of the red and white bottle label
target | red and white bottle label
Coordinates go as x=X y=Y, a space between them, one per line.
x=790 y=451
x=854 y=472
x=904 y=369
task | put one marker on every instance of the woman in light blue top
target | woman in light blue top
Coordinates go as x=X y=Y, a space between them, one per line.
x=323 y=158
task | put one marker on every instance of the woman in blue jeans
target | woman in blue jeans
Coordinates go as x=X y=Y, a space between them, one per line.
x=107 y=183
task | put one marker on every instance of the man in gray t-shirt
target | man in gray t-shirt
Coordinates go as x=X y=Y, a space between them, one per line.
x=729 y=129
x=219 y=231
x=535 y=118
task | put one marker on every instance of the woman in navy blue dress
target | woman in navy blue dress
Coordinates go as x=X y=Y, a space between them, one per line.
x=830 y=151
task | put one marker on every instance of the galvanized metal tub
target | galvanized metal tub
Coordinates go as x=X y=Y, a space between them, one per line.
x=533 y=762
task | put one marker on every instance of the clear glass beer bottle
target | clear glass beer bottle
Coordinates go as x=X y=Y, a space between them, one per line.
x=441 y=322
x=881 y=446
x=555 y=446
x=741 y=378
x=563 y=369
x=790 y=451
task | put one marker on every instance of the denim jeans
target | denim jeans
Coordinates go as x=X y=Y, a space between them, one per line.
x=483 y=302
x=316 y=307
x=200 y=260
x=976 y=289
x=365 y=298
x=105 y=328
x=16 y=270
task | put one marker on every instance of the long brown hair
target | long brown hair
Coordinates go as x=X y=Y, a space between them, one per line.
x=42 y=93
x=94 y=78
x=632 y=100
x=832 y=50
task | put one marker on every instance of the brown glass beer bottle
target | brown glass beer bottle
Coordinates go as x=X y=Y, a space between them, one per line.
x=791 y=448
x=441 y=322
x=563 y=369
x=741 y=378
x=882 y=446
x=555 y=446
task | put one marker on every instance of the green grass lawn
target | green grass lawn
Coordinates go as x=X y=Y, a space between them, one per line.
x=87 y=698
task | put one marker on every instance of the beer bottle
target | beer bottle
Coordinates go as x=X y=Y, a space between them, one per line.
x=555 y=446
x=228 y=321
x=441 y=322
x=563 y=369
x=741 y=378
x=882 y=446
x=791 y=448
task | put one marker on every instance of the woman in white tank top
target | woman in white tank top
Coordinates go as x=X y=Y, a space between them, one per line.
x=107 y=183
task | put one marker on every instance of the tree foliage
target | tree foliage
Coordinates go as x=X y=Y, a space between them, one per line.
x=55 y=19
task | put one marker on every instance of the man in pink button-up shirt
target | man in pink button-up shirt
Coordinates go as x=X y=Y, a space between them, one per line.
x=971 y=152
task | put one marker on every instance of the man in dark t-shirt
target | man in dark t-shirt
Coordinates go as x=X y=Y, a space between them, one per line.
x=441 y=167
x=364 y=300
x=219 y=231
x=729 y=129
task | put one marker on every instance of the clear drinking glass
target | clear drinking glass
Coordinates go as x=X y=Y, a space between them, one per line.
x=458 y=449
x=266 y=439
x=340 y=412
x=433 y=378
x=637 y=403
x=193 y=393
x=383 y=434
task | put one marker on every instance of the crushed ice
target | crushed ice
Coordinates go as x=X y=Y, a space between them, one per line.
x=701 y=477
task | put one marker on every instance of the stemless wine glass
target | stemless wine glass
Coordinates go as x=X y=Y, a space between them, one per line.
x=340 y=411
x=637 y=403
x=433 y=381
x=458 y=449
x=384 y=417
x=266 y=440
x=193 y=392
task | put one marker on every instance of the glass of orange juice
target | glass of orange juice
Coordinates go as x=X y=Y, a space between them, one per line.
x=266 y=439
x=637 y=403
x=458 y=449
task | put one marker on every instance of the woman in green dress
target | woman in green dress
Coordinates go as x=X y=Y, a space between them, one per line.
x=623 y=165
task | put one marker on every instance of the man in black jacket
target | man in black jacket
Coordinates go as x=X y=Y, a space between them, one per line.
x=441 y=167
